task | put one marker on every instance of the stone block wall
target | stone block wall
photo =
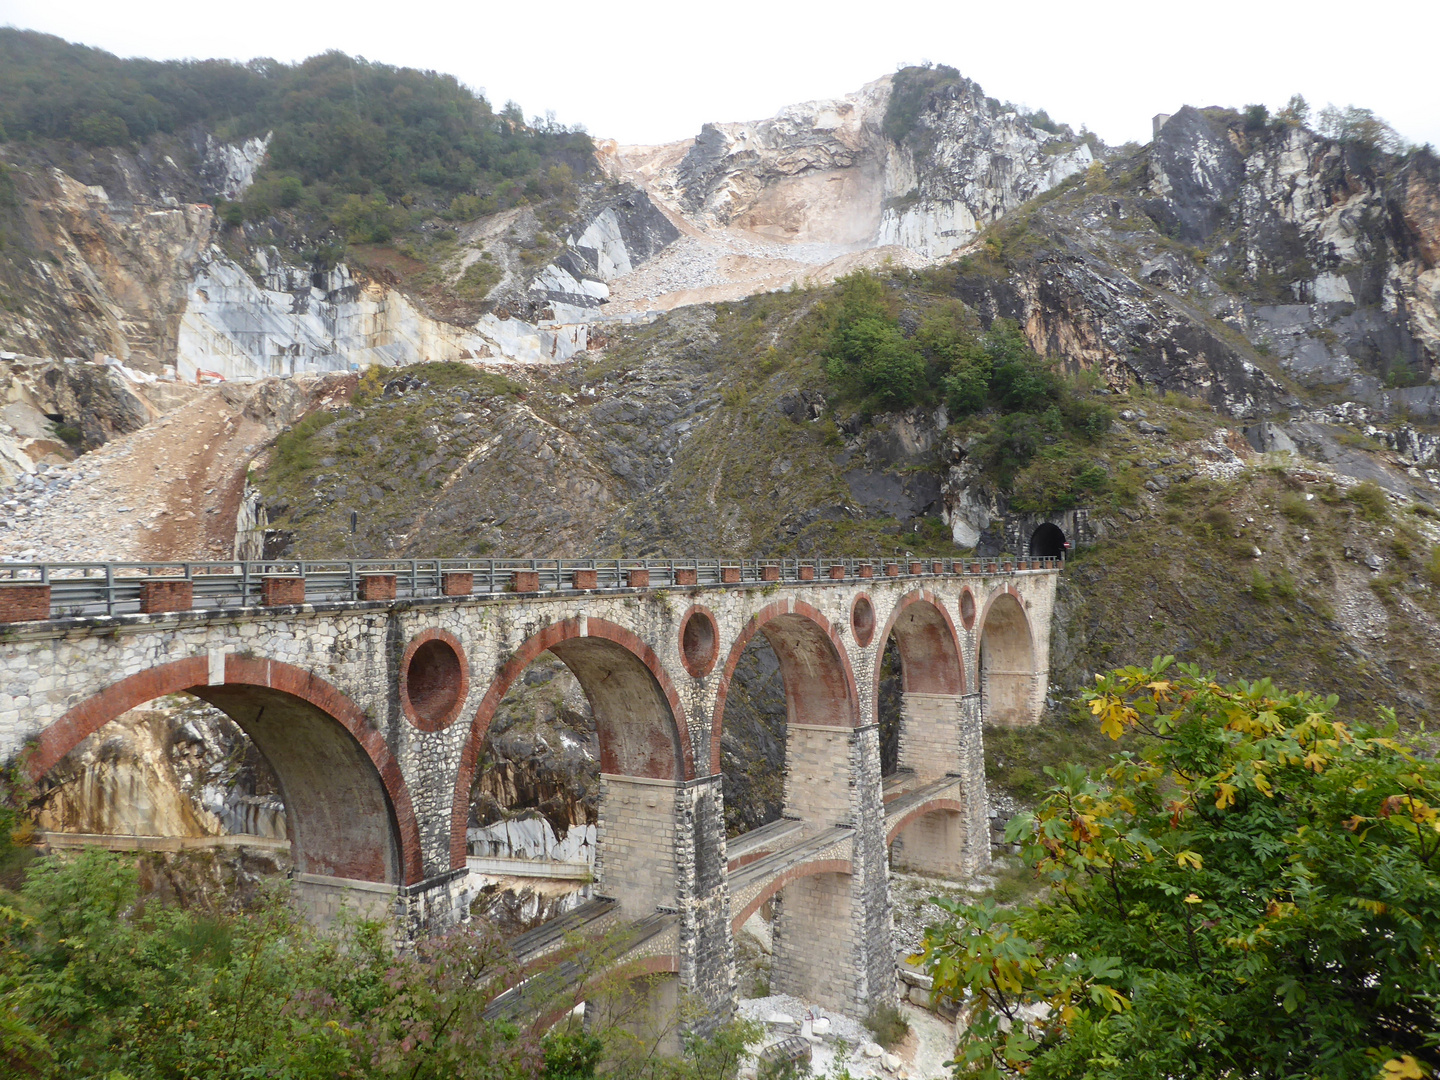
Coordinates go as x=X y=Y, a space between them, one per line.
x=930 y=734
x=972 y=783
x=323 y=898
x=818 y=777
x=636 y=842
x=872 y=918
x=814 y=940
x=706 y=948
x=933 y=844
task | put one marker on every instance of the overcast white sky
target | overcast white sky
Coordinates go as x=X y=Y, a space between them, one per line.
x=653 y=72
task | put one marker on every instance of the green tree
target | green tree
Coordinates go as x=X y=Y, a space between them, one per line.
x=867 y=351
x=1251 y=889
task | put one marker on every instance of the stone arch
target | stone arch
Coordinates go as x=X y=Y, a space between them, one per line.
x=930 y=806
x=929 y=645
x=807 y=869
x=1006 y=662
x=1048 y=541
x=638 y=714
x=348 y=808
x=819 y=681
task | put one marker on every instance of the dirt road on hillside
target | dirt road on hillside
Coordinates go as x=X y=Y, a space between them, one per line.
x=168 y=491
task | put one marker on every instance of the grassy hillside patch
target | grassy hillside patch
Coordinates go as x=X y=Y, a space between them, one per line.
x=1337 y=597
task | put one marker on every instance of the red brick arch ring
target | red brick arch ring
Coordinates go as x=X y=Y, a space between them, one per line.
x=930 y=806
x=806 y=869
x=820 y=693
x=434 y=679
x=930 y=657
x=347 y=800
x=639 y=716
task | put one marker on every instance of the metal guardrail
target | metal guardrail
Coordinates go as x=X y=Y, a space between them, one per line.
x=89 y=589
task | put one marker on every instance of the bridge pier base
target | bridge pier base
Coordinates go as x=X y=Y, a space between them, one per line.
x=833 y=941
x=661 y=847
x=435 y=905
x=814 y=936
x=933 y=844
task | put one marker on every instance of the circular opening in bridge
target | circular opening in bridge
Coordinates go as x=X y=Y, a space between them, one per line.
x=1048 y=541
x=699 y=642
x=433 y=681
x=967 y=608
x=862 y=620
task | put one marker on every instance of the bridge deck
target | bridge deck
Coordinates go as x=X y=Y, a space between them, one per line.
x=591 y=917
x=748 y=847
x=554 y=986
x=906 y=799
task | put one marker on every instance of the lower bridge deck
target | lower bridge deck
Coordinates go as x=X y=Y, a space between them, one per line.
x=903 y=795
x=565 y=957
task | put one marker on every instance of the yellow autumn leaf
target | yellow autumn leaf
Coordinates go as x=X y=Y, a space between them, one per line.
x=1226 y=796
x=1193 y=899
x=1189 y=858
x=1404 y=1068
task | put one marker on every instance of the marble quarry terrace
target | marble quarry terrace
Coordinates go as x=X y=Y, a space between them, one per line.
x=369 y=686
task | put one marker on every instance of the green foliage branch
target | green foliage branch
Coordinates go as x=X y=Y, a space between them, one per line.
x=1250 y=889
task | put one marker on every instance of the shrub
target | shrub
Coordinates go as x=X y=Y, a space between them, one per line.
x=1249 y=889
x=1370 y=497
x=1295 y=507
x=888 y=1025
x=95 y=983
x=479 y=278
x=571 y=1055
x=1259 y=585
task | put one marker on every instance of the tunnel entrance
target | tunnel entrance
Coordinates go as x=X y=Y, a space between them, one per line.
x=1048 y=542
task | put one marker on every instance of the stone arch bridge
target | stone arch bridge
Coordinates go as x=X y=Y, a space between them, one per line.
x=369 y=688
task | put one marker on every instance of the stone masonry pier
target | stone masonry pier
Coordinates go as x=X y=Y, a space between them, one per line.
x=369 y=688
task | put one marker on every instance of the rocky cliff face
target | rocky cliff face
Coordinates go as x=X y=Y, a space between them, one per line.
x=177 y=768
x=826 y=172
x=124 y=256
x=1260 y=271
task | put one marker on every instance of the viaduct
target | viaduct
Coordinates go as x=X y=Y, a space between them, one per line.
x=369 y=688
